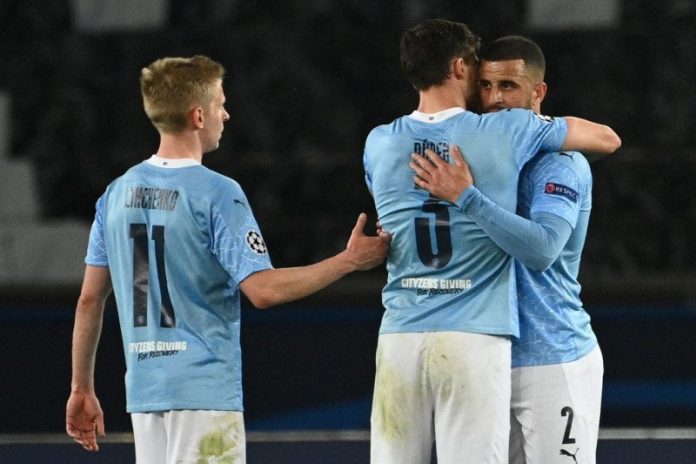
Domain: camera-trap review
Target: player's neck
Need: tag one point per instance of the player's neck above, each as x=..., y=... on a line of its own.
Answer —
x=179, y=146
x=440, y=98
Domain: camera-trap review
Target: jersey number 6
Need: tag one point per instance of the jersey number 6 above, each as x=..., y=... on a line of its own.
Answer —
x=141, y=275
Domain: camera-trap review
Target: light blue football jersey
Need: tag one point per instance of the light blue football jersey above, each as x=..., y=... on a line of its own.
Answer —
x=554, y=327
x=178, y=242
x=444, y=272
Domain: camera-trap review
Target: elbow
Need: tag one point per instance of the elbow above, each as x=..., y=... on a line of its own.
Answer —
x=90, y=300
x=539, y=263
x=607, y=145
x=613, y=141
x=260, y=291
x=608, y=141
x=263, y=297
x=262, y=300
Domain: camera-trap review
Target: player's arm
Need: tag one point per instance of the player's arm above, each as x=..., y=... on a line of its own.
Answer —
x=594, y=140
x=275, y=286
x=535, y=243
x=84, y=419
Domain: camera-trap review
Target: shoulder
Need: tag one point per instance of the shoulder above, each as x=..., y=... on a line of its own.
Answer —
x=571, y=161
x=385, y=130
x=510, y=114
x=129, y=175
x=567, y=168
x=520, y=116
x=220, y=183
x=513, y=119
x=133, y=171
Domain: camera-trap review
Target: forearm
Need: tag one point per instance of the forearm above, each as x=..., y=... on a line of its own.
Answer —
x=536, y=245
x=594, y=140
x=89, y=314
x=276, y=286
x=86, y=334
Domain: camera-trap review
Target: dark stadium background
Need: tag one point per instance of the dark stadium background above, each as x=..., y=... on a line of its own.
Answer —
x=306, y=82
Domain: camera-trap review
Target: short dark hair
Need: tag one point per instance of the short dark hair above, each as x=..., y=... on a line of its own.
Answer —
x=428, y=49
x=516, y=47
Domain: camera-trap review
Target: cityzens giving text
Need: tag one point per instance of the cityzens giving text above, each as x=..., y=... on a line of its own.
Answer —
x=424, y=286
x=155, y=349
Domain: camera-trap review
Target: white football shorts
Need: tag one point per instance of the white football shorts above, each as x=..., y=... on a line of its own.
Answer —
x=449, y=387
x=555, y=412
x=183, y=437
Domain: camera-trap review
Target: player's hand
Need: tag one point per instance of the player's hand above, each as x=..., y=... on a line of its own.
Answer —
x=367, y=251
x=444, y=180
x=84, y=420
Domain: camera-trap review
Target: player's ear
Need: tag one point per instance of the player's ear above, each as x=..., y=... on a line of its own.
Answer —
x=196, y=117
x=540, y=92
x=458, y=68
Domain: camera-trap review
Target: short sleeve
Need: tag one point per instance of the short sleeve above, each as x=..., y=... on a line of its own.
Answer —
x=366, y=163
x=535, y=133
x=237, y=241
x=556, y=188
x=96, y=248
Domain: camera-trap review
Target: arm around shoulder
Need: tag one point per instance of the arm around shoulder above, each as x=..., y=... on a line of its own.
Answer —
x=594, y=140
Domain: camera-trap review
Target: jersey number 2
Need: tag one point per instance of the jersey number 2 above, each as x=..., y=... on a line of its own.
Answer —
x=141, y=273
x=568, y=411
x=443, y=240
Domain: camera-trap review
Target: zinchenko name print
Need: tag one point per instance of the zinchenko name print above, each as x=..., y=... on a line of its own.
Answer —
x=151, y=198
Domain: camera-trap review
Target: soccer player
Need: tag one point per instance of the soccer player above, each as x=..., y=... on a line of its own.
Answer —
x=443, y=356
x=178, y=242
x=557, y=364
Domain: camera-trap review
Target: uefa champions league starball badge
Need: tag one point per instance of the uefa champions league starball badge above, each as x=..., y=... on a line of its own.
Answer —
x=256, y=243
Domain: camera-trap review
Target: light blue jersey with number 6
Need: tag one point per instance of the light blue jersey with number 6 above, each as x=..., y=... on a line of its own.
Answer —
x=178, y=242
x=444, y=272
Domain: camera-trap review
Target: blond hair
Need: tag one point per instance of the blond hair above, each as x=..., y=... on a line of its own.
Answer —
x=172, y=86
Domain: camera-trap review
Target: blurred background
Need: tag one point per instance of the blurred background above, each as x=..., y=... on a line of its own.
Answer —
x=307, y=80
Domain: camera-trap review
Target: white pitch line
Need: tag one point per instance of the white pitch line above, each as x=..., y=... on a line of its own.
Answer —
x=339, y=436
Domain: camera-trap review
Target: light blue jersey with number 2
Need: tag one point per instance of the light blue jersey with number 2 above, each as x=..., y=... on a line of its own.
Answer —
x=554, y=326
x=444, y=272
x=178, y=242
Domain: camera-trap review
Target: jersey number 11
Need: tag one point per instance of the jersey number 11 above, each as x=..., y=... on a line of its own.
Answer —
x=141, y=276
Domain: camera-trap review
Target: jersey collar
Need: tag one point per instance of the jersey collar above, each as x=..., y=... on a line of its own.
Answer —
x=172, y=163
x=435, y=117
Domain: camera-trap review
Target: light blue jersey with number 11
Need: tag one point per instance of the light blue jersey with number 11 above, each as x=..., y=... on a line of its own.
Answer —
x=178, y=241
x=444, y=272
